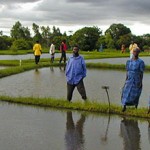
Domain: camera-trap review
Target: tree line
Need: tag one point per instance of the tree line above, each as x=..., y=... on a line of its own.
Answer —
x=88, y=38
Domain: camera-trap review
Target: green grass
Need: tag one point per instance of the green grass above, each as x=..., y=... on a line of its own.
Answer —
x=26, y=65
x=88, y=106
x=14, y=68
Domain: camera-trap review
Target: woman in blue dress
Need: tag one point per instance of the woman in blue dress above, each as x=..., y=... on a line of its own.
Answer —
x=133, y=85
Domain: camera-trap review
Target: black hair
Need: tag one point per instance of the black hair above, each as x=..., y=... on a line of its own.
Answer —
x=76, y=46
x=64, y=41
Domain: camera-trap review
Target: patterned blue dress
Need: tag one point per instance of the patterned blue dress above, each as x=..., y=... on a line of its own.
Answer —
x=133, y=85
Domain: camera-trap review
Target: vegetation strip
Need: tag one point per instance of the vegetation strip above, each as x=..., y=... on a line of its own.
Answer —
x=29, y=65
x=89, y=106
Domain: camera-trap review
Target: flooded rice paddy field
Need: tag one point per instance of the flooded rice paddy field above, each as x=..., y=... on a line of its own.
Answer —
x=2, y=67
x=28, y=127
x=27, y=56
x=51, y=82
x=117, y=60
x=57, y=55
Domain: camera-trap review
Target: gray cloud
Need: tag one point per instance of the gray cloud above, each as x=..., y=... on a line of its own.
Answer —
x=17, y=1
x=74, y=12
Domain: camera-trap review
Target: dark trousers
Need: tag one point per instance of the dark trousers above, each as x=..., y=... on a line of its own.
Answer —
x=63, y=56
x=80, y=88
x=37, y=59
x=52, y=58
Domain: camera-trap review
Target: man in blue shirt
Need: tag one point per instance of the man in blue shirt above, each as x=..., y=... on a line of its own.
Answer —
x=75, y=72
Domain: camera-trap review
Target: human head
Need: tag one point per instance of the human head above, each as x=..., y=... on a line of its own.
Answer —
x=76, y=50
x=37, y=41
x=136, y=52
x=64, y=41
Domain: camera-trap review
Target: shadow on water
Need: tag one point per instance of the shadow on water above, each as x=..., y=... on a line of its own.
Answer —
x=74, y=136
x=130, y=133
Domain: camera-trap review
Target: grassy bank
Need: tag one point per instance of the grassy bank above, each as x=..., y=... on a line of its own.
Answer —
x=14, y=66
x=19, y=69
x=79, y=105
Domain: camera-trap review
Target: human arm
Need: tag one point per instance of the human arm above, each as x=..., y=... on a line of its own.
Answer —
x=40, y=48
x=142, y=68
x=127, y=68
x=84, y=68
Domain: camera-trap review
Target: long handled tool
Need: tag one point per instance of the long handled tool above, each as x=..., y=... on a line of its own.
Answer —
x=106, y=89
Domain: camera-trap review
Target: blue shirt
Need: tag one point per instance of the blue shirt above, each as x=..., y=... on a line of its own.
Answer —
x=75, y=69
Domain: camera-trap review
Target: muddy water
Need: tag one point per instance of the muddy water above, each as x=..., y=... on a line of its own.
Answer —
x=27, y=56
x=2, y=67
x=26, y=128
x=51, y=82
x=57, y=55
x=117, y=60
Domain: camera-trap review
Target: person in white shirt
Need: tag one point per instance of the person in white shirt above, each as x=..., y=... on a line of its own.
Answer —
x=52, y=52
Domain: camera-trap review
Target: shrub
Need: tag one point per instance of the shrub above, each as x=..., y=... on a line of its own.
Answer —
x=21, y=44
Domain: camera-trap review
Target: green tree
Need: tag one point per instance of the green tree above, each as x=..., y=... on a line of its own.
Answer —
x=21, y=44
x=1, y=33
x=146, y=38
x=86, y=38
x=124, y=39
x=37, y=35
x=5, y=42
x=56, y=32
x=20, y=32
x=140, y=40
x=115, y=31
x=46, y=34
x=58, y=39
x=109, y=41
x=101, y=41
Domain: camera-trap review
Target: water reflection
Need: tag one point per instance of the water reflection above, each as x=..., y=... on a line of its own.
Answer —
x=2, y=67
x=37, y=85
x=116, y=60
x=62, y=68
x=131, y=134
x=27, y=127
x=74, y=132
x=28, y=56
x=37, y=71
x=105, y=137
x=51, y=68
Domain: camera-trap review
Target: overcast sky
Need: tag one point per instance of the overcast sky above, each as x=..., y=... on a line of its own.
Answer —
x=74, y=14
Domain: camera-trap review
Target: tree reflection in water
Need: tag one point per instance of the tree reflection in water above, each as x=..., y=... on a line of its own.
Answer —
x=130, y=132
x=74, y=133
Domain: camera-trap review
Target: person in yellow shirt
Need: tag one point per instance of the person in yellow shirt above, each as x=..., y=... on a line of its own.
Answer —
x=37, y=51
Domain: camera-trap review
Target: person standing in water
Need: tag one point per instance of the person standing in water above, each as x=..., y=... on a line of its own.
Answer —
x=63, y=49
x=133, y=85
x=75, y=73
x=37, y=51
x=52, y=52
